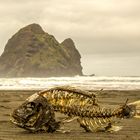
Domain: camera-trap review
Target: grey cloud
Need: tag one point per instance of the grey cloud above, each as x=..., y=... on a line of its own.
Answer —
x=99, y=26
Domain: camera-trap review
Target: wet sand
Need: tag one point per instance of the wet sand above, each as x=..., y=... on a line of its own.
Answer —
x=9, y=100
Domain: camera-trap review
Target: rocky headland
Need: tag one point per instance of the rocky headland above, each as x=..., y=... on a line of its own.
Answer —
x=32, y=52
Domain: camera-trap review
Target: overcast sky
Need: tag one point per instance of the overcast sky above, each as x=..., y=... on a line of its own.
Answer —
x=106, y=32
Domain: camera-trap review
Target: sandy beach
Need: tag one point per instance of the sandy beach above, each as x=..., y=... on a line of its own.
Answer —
x=9, y=100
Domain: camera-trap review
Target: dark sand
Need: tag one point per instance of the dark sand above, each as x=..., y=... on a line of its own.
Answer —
x=9, y=100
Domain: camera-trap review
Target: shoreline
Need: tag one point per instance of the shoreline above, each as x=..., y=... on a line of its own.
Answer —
x=10, y=99
x=90, y=90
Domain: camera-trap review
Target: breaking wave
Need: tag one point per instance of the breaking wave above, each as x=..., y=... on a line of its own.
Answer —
x=90, y=83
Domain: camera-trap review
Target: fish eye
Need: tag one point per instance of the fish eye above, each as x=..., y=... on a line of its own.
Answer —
x=30, y=106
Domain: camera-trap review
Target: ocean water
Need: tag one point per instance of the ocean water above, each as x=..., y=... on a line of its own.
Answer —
x=89, y=83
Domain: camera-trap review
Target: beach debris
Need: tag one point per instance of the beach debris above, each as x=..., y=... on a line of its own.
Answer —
x=37, y=113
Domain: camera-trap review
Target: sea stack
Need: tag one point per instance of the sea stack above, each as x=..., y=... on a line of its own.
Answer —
x=32, y=52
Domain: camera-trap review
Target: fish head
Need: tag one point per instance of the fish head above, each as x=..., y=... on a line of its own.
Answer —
x=33, y=114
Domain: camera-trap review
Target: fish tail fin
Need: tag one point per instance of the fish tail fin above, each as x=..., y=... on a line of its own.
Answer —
x=135, y=107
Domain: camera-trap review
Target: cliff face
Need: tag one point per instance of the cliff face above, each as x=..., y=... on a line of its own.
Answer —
x=31, y=52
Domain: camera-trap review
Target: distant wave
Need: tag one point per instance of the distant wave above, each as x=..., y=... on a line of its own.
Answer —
x=87, y=82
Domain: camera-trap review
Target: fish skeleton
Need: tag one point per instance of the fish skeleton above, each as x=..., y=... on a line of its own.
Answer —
x=37, y=113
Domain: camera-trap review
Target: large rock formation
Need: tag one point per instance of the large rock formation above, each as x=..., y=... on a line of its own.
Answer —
x=31, y=52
